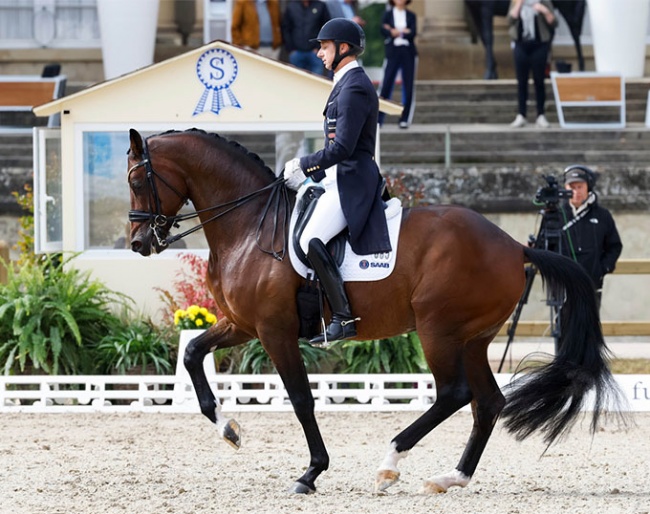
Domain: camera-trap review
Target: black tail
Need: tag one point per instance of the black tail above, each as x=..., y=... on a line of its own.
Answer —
x=550, y=398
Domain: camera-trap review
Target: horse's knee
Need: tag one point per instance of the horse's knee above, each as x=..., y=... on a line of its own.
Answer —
x=193, y=355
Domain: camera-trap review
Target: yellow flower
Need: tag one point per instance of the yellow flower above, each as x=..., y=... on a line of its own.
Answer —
x=194, y=317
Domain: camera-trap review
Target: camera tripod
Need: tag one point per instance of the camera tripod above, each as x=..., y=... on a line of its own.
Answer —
x=549, y=237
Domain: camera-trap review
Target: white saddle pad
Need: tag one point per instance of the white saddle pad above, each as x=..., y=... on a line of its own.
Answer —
x=359, y=268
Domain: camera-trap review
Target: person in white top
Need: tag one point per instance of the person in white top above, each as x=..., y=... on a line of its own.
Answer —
x=399, y=28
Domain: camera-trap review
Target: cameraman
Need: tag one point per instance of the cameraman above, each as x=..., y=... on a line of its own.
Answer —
x=589, y=231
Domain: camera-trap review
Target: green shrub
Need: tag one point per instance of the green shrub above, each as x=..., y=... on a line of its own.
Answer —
x=254, y=359
x=52, y=315
x=400, y=354
x=135, y=344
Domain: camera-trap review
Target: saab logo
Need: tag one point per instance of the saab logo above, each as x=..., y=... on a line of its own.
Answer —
x=379, y=265
x=364, y=264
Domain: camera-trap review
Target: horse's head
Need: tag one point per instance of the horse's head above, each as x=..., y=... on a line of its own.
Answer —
x=157, y=194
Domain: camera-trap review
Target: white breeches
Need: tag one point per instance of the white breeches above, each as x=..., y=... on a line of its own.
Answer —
x=327, y=220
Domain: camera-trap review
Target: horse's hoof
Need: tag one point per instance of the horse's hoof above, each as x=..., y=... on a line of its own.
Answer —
x=385, y=478
x=231, y=433
x=300, y=488
x=442, y=483
x=431, y=487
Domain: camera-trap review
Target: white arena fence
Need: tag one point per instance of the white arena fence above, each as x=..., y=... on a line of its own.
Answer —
x=239, y=393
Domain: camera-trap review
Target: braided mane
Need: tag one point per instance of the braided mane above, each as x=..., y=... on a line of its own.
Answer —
x=225, y=141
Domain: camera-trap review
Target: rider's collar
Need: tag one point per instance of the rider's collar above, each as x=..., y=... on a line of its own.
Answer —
x=339, y=74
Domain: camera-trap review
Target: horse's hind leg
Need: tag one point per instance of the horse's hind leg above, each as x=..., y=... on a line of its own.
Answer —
x=452, y=393
x=487, y=404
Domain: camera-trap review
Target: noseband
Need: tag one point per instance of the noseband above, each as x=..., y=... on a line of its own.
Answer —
x=158, y=221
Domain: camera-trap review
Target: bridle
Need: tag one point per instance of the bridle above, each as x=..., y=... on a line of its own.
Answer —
x=158, y=221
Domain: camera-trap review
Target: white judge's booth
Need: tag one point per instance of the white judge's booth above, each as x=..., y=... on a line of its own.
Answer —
x=81, y=197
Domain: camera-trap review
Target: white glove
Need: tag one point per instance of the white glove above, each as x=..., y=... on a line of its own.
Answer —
x=293, y=174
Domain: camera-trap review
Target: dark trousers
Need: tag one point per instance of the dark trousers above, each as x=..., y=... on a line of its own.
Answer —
x=402, y=60
x=530, y=56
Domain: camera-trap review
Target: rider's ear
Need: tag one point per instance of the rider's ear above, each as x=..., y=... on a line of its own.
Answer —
x=136, y=144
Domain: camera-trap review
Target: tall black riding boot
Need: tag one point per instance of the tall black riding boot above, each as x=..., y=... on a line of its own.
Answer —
x=342, y=324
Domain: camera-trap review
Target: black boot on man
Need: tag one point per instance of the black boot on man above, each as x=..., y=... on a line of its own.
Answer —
x=342, y=324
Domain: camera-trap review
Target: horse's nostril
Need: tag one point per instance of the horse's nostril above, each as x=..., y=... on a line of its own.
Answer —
x=136, y=246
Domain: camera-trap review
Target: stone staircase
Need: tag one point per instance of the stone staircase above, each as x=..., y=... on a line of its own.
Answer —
x=467, y=122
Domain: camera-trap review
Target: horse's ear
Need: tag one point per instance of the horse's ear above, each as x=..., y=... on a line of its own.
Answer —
x=136, y=144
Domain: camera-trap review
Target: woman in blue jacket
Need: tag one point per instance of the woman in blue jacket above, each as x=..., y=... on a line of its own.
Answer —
x=399, y=28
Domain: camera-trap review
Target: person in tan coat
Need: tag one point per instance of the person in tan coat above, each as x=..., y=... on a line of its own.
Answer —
x=256, y=26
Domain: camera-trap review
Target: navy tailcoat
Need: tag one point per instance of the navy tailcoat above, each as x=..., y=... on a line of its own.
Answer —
x=350, y=133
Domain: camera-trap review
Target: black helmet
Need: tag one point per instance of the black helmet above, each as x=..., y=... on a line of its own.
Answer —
x=342, y=30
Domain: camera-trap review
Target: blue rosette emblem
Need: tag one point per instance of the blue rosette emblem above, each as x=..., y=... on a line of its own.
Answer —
x=217, y=70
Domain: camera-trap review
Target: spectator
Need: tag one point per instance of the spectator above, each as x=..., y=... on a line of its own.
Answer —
x=301, y=22
x=399, y=28
x=256, y=26
x=345, y=9
x=532, y=25
x=590, y=236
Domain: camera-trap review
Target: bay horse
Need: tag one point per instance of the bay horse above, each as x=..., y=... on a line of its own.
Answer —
x=482, y=13
x=457, y=279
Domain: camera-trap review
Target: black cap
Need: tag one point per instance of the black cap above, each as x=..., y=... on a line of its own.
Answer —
x=576, y=176
x=580, y=173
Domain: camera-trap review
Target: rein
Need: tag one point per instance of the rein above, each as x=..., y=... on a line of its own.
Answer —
x=278, y=197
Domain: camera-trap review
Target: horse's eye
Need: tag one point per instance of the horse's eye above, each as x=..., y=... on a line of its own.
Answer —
x=136, y=185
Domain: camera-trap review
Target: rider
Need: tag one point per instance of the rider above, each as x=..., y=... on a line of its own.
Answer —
x=347, y=170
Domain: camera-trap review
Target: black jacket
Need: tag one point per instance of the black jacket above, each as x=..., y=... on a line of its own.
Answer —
x=593, y=241
x=300, y=24
x=350, y=132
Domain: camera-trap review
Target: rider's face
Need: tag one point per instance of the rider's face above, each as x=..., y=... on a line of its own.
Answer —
x=326, y=53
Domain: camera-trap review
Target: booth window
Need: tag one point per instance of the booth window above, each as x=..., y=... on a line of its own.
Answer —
x=102, y=199
x=106, y=194
x=48, y=202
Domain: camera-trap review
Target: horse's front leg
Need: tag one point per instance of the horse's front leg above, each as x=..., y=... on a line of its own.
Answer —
x=285, y=354
x=223, y=335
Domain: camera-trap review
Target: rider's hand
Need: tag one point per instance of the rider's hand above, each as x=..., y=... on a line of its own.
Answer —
x=293, y=174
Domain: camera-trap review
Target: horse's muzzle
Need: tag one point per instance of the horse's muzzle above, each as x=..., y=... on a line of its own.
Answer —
x=144, y=242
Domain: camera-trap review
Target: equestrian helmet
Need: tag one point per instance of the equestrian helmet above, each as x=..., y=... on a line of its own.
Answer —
x=342, y=30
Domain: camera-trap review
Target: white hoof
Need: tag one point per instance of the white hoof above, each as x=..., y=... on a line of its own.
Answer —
x=442, y=483
x=385, y=478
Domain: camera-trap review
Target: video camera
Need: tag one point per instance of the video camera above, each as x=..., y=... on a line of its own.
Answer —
x=552, y=193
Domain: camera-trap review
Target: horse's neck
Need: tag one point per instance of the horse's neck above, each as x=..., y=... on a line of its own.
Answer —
x=229, y=225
